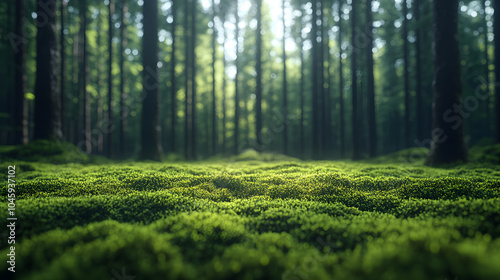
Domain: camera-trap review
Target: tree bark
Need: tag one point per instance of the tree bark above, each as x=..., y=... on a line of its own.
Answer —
x=62, y=8
x=236, y=82
x=315, y=81
x=407, y=127
x=85, y=79
x=21, y=104
x=48, y=99
x=372, y=124
x=173, y=79
x=354, y=75
x=193, y=78
x=258, y=70
x=150, y=124
x=109, y=121
x=419, y=97
x=341, y=85
x=285, y=83
x=447, y=142
x=214, y=99
x=496, y=27
x=123, y=94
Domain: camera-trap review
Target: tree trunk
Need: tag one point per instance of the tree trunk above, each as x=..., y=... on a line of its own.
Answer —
x=99, y=101
x=62, y=8
x=21, y=104
x=150, y=124
x=372, y=128
x=214, y=99
x=496, y=27
x=187, y=73
x=418, y=36
x=236, y=82
x=85, y=79
x=486, y=72
x=224, y=92
x=447, y=142
x=354, y=72
x=341, y=85
x=173, y=78
x=193, y=77
x=315, y=81
x=109, y=121
x=258, y=70
x=302, y=91
x=48, y=99
x=406, y=74
x=123, y=94
x=285, y=83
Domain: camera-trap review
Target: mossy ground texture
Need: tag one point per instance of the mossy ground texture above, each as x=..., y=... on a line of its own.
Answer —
x=244, y=218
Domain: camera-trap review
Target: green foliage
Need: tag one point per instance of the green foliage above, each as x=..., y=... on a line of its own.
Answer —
x=249, y=219
x=46, y=151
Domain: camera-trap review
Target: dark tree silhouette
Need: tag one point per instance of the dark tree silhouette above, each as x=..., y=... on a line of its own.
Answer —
x=111, y=11
x=447, y=139
x=258, y=70
x=341, y=84
x=406, y=55
x=214, y=99
x=62, y=38
x=372, y=128
x=123, y=94
x=48, y=99
x=21, y=104
x=496, y=27
x=84, y=79
x=354, y=83
x=173, y=79
x=236, y=81
x=151, y=148
x=285, y=82
x=418, y=58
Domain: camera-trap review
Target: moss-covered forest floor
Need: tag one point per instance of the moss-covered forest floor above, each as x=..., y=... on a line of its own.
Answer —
x=251, y=217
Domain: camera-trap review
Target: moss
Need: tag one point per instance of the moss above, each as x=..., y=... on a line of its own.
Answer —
x=254, y=219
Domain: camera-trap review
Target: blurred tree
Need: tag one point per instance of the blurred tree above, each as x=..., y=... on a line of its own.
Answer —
x=151, y=148
x=47, y=95
x=21, y=104
x=447, y=142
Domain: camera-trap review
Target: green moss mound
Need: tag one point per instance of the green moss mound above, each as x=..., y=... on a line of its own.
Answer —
x=251, y=219
x=45, y=151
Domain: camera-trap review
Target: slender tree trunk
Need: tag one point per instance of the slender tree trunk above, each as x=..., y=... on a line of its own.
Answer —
x=285, y=83
x=214, y=99
x=258, y=70
x=236, y=82
x=123, y=94
x=173, y=79
x=419, y=101
x=447, y=142
x=406, y=74
x=322, y=90
x=372, y=128
x=224, y=92
x=48, y=98
x=150, y=124
x=62, y=8
x=21, y=104
x=193, y=77
x=99, y=101
x=341, y=85
x=496, y=30
x=111, y=10
x=354, y=72
x=85, y=79
x=486, y=71
x=302, y=91
x=315, y=81
x=187, y=74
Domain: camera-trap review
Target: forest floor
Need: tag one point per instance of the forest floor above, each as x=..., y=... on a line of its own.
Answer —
x=251, y=217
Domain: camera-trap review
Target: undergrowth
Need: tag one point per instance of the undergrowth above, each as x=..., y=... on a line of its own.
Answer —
x=248, y=217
